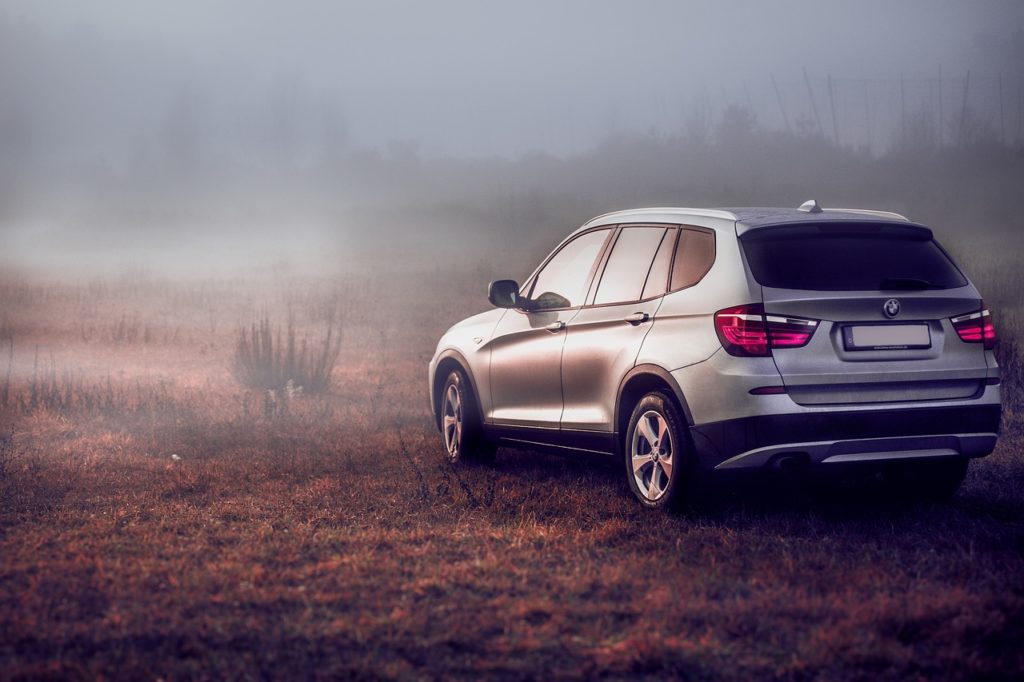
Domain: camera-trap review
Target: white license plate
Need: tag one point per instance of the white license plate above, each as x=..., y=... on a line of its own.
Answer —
x=886, y=336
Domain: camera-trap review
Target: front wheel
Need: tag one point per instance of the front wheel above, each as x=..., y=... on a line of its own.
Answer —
x=460, y=424
x=656, y=452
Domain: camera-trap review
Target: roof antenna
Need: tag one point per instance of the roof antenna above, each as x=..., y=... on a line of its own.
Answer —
x=811, y=206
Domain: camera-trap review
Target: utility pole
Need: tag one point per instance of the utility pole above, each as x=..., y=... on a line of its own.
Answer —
x=782, y=106
x=903, y=108
x=832, y=102
x=942, y=122
x=867, y=117
x=1002, y=120
x=814, y=105
x=1020, y=114
x=963, y=111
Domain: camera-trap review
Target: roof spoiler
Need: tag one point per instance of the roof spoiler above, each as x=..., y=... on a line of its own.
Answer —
x=812, y=206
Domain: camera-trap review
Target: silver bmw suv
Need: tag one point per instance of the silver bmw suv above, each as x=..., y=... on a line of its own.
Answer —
x=684, y=340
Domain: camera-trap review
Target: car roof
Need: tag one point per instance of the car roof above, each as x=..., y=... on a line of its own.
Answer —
x=744, y=219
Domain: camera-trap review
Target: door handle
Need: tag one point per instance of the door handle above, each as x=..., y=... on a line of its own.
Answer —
x=556, y=326
x=637, y=318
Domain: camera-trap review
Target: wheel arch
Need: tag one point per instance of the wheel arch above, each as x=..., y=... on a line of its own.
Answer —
x=448, y=361
x=640, y=381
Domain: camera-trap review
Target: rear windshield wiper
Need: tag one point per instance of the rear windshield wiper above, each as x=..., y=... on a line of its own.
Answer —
x=908, y=283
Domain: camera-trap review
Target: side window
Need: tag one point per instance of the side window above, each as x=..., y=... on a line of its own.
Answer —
x=626, y=271
x=695, y=254
x=657, y=278
x=562, y=282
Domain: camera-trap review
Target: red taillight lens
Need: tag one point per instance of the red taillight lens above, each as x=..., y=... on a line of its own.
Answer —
x=742, y=330
x=790, y=332
x=976, y=327
x=745, y=330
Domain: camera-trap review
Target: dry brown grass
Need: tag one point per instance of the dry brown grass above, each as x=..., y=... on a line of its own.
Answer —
x=329, y=539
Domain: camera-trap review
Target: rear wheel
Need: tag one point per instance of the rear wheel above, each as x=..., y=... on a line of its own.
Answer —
x=935, y=479
x=461, y=426
x=656, y=452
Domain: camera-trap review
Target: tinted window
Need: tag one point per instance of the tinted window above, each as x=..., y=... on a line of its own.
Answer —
x=562, y=282
x=630, y=261
x=849, y=258
x=657, y=278
x=695, y=254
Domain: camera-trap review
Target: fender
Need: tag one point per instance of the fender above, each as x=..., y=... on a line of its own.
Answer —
x=452, y=354
x=662, y=374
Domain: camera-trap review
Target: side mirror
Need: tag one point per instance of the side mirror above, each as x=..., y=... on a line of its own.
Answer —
x=504, y=293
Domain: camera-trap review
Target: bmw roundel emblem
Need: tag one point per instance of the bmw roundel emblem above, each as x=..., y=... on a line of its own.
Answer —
x=891, y=308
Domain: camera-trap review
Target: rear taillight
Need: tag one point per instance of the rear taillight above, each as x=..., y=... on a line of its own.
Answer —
x=745, y=330
x=742, y=330
x=976, y=327
x=790, y=332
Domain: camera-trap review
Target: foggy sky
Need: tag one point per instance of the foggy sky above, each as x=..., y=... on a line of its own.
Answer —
x=230, y=130
x=478, y=78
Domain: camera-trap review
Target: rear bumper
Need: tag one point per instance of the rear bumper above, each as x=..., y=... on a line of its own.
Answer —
x=854, y=436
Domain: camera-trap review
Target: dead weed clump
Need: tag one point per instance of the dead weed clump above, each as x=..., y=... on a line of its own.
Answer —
x=269, y=358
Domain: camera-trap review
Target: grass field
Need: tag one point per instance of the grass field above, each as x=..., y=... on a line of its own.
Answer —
x=159, y=520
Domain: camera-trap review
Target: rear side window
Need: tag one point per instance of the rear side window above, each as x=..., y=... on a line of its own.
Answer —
x=695, y=254
x=849, y=258
x=626, y=271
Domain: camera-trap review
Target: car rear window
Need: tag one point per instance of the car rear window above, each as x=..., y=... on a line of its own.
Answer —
x=695, y=254
x=852, y=257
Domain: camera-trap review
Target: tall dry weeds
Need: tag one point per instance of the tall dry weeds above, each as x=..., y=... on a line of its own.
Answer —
x=268, y=358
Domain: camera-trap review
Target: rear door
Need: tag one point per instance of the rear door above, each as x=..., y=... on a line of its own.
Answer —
x=883, y=297
x=603, y=340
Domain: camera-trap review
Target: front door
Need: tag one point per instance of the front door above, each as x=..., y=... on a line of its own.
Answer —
x=526, y=349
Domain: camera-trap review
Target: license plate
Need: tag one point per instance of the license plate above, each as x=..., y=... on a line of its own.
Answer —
x=886, y=336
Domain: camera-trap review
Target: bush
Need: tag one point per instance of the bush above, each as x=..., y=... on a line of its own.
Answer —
x=1011, y=372
x=267, y=359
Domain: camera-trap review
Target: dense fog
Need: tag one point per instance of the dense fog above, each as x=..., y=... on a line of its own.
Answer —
x=333, y=135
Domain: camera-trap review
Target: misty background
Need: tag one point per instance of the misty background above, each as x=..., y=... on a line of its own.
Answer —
x=338, y=136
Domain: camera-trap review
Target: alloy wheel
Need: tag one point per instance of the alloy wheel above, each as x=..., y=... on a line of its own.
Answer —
x=651, y=455
x=452, y=421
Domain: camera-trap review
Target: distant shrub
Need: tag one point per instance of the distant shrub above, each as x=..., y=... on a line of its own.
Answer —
x=63, y=390
x=1011, y=373
x=6, y=339
x=270, y=359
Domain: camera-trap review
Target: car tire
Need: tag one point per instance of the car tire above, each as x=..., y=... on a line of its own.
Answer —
x=929, y=480
x=937, y=480
x=461, y=426
x=656, y=452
